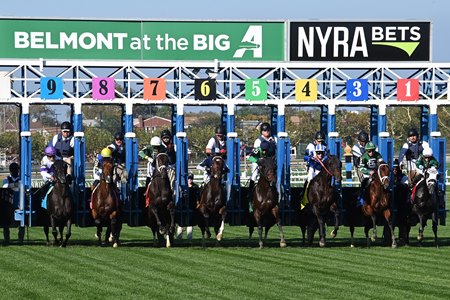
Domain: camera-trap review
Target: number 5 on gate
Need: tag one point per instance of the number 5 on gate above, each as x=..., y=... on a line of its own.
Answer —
x=306, y=90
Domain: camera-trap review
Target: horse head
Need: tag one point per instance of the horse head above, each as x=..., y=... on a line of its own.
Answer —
x=107, y=170
x=162, y=162
x=60, y=168
x=268, y=168
x=334, y=167
x=431, y=180
x=383, y=174
x=217, y=167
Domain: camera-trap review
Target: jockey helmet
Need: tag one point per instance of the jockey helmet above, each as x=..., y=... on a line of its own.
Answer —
x=413, y=132
x=118, y=136
x=265, y=145
x=319, y=148
x=13, y=167
x=155, y=141
x=166, y=133
x=191, y=175
x=427, y=152
x=265, y=127
x=396, y=163
x=319, y=136
x=50, y=151
x=221, y=130
x=66, y=125
x=370, y=146
x=106, y=152
x=363, y=136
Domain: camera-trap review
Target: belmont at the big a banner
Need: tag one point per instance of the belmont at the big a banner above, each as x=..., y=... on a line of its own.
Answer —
x=359, y=41
x=142, y=40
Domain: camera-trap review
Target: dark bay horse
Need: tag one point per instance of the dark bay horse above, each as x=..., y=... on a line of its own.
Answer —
x=211, y=206
x=321, y=197
x=377, y=201
x=106, y=206
x=265, y=201
x=424, y=204
x=59, y=205
x=161, y=209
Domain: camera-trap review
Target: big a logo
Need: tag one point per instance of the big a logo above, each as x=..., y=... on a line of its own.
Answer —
x=251, y=42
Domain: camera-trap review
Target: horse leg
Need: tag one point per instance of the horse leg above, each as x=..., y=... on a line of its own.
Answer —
x=171, y=209
x=435, y=225
x=257, y=214
x=207, y=231
x=334, y=209
x=373, y=238
x=114, y=229
x=387, y=217
x=158, y=221
x=54, y=230
x=366, y=232
x=223, y=213
x=352, y=232
x=276, y=214
x=61, y=231
x=420, y=236
x=98, y=223
x=68, y=233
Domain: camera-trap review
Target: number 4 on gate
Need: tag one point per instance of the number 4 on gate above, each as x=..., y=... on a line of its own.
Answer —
x=306, y=90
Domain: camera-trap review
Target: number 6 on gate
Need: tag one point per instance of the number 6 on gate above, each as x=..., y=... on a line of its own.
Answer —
x=205, y=89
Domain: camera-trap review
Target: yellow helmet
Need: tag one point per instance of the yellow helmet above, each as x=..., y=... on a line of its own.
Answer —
x=106, y=152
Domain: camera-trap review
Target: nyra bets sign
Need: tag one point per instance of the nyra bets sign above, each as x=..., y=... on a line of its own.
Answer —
x=359, y=41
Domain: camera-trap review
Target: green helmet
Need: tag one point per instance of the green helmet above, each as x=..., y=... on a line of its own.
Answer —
x=370, y=146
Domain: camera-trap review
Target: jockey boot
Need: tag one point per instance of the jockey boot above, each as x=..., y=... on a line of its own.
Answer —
x=21, y=235
x=251, y=187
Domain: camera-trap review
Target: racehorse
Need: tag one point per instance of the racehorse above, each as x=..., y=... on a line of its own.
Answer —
x=211, y=206
x=377, y=201
x=161, y=209
x=105, y=205
x=59, y=205
x=424, y=203
x=402, y=203
x=265, y=201
x=321, y=197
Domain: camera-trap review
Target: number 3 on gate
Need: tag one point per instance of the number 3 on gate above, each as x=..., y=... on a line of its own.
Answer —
x=357, y=89
x=51, y=88
x=205, y=89
x=306, y=90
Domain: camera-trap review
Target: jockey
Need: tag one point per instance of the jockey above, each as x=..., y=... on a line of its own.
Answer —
x=64, y=143
x=358, y=148
x=270, y=143
x=149, y=153
x=118, y=155
x=9, y=204
x=168, y=147
x=319, y=139
x=368, y=166
x=426, y=163
x=314, y=164
x=412, y=148
x=98, y=164
x=264, y=150
x=47, y=170
x=216, y=146
x=399, y=177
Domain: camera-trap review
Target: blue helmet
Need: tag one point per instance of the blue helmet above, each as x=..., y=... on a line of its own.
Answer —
x=320, y=148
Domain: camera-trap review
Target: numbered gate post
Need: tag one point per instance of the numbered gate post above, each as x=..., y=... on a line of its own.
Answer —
x=79, y=171
x=235, y=211
x=183, y=210
x=131, y=200
x=438, y=144
x=284, y=178
x=335, y=148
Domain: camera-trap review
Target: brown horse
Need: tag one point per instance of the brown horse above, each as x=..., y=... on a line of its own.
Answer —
x=211, y=206
x=424, y=204
x=105, y=205
x=161, y=209
x=321, y=196
x=377, y=201
x=265, y=201
x=59, y=205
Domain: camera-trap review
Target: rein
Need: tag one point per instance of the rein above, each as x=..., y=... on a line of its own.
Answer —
x=158, y=167
x=325, y=168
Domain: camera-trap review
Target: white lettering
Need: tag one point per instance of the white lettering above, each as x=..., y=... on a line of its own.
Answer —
x=71, y=40
x=21, y=40
x=340, y=42
x=37, y=40
x=306, y=41
x=362, y=45
x=87, y=40
x=377, y=34
x=200, y=42
x=252, y=41
x=415, y=33
x=323, y=40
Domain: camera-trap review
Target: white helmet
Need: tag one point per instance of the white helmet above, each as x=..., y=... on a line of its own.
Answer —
x=427, y=152
x=155, y=141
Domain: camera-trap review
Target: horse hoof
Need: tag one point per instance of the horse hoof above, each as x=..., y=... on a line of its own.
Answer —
x=261, y=246
x=419, y=238
x=283, y=245
x=333, y=234
x=321, y=244
x=373, y=238
x=115, y=245
x=110, y=239
x=96, y=236
x=394, y=246
x=208, y=235
x=352, y=246
x=219, y=236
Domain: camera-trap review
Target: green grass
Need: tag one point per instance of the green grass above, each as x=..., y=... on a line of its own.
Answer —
x=236, y=269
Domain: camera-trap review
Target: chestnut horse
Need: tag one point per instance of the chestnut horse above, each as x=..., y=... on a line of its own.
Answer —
x=161, y=209
x=211, y=206
x=321, y=197
x=105, y=205
x=265, y=201
x=377, y=201
x=59, y=205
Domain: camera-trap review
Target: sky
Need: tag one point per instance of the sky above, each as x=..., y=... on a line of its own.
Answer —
x=436, y=11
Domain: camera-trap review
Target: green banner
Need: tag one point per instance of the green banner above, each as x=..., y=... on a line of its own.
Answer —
x=142, y=40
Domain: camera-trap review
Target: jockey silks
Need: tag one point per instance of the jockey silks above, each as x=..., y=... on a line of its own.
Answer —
x=63, y=146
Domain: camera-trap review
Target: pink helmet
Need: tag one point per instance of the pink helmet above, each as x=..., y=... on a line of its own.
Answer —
x=50, y=151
